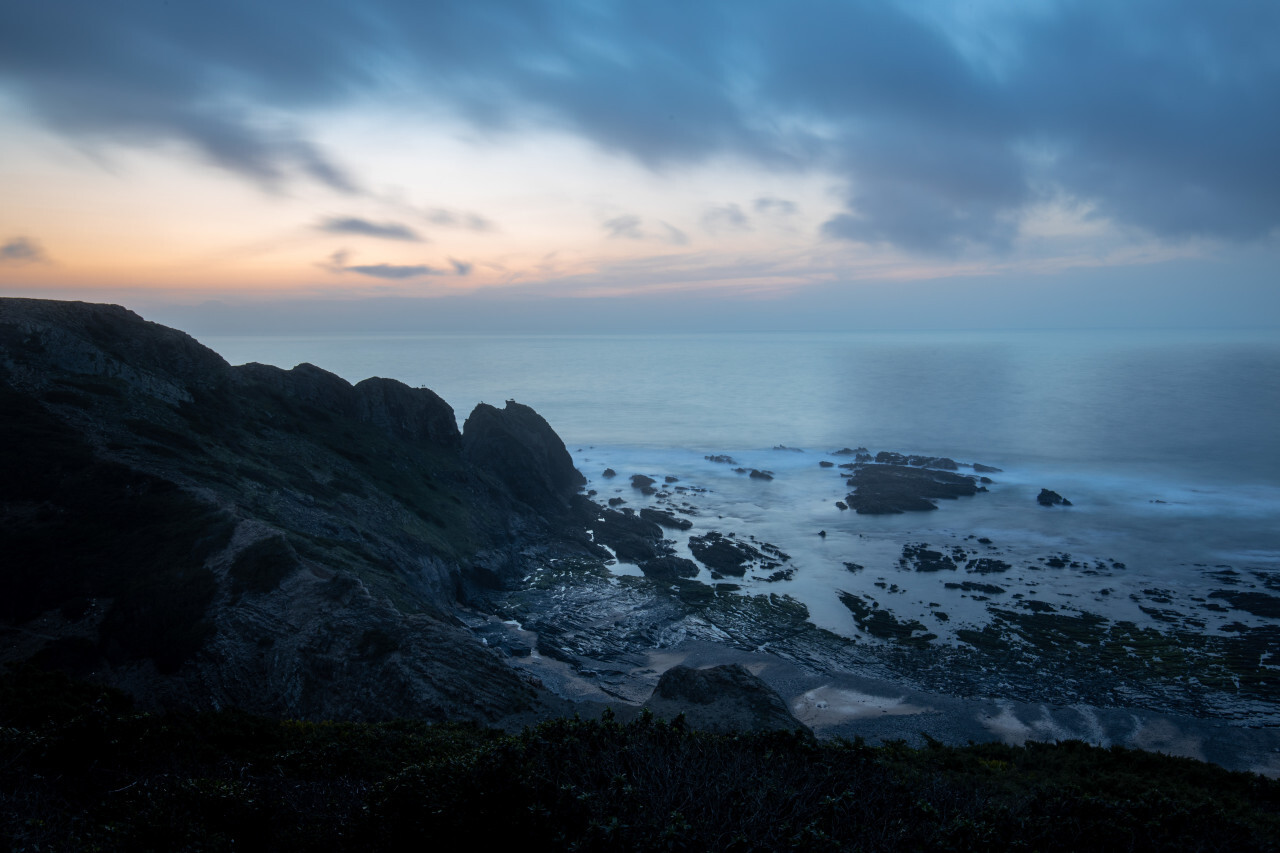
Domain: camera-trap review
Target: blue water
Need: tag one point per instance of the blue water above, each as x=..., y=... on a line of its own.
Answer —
x=1168, y=444
x=1200, y=404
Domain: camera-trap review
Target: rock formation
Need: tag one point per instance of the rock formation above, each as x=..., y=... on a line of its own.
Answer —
x=720, y=699
x=204, y=535
x=1048, y=497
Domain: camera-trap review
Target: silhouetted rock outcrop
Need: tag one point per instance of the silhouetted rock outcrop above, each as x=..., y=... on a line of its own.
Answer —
x=415, y=414
x=524, y=452
x=204, y=535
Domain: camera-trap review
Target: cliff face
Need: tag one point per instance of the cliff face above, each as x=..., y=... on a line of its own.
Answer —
x=203, y=535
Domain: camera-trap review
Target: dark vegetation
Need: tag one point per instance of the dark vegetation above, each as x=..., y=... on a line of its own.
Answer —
x=79, y=770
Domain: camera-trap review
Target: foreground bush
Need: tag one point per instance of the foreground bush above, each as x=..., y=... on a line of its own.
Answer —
x=79, y=770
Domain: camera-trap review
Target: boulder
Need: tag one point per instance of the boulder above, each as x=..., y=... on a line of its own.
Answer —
x=643, y=484
x=669, y=567
x=726, y=698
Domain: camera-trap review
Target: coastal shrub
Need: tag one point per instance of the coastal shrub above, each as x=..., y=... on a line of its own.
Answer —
x=80, y=769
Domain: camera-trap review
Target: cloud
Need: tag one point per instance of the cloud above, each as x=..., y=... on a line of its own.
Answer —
x=21, y=250
x=458, y=219
x=945, y=122
x=627, y=225
x=631, y=227
x=726, y=218
x=673, y=235
x=395, y=271
x=780, y=207
x=365, y=228
x=337, y=263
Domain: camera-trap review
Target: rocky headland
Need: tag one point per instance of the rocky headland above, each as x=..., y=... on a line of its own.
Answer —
x=282, y=541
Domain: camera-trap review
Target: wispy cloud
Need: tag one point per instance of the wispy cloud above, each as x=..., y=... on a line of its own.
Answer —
x=632, y=227
x=395, y=271
x=769, y=206
x=458, y=219
x=627, y=225
x=365, y=228
x=673, y=235
x=22, y=250
x=728, y=217
x=338, y=263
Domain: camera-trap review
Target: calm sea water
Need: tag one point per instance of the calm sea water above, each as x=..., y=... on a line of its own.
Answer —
x=1168, y=444
x=1195, y=404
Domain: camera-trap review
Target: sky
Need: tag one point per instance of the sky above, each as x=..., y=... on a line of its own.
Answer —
x=321, y=165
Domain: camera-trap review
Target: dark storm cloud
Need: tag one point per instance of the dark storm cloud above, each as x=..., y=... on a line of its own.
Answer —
x=365, y=228
x=21, y=250
x=1159, y=114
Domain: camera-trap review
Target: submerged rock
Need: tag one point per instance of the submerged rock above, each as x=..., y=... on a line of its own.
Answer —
x=665, y=519
x=1051, y=498
x=729, y=556
x=883, y=489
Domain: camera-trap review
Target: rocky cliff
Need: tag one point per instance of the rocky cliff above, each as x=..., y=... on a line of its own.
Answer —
x=279, y=540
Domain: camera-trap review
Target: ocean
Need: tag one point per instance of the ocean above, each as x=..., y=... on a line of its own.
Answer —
x=1167, y=445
